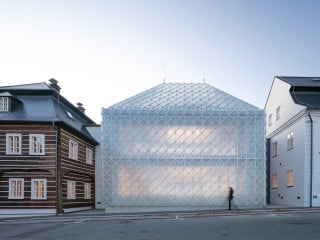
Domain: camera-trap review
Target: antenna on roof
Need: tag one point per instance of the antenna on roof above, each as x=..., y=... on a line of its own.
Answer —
x=204, y=75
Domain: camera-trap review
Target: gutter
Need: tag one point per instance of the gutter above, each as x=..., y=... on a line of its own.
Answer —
x=57, y=168
x=311, y=155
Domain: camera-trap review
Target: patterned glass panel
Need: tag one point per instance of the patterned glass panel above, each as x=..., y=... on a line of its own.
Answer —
x=176, y=146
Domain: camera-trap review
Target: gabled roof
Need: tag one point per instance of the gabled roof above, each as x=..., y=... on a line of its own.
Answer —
x=181, y=97
x=31, y=86
x=304, y=91
x=39, y=102
x=7, y=94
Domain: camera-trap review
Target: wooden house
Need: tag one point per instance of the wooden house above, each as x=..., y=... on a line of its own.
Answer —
x=47, y=155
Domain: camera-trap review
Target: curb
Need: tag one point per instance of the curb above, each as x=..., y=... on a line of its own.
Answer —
x=122, y=218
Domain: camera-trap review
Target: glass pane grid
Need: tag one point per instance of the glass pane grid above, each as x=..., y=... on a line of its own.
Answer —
x=154, y=155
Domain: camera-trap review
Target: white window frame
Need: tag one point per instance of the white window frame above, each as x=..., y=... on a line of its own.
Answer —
x=39, y=148
x=16, y=149
x=16, y=191
x=278, y=113
x=274, y=149
x=290, y=178
x=89, y=156
x=87, y=190
x=274, y=180
x=4, y=104
x=73, y=149
x=270, y=120
x=71, y=189
x=290, y=141
x=36, y=188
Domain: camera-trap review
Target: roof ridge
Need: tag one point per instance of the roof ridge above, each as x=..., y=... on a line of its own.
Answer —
x=26, y=84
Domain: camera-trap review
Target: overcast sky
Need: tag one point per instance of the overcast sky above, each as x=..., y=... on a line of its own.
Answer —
x=102, y=52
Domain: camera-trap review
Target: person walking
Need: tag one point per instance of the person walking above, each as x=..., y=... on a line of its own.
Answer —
x=230, y=197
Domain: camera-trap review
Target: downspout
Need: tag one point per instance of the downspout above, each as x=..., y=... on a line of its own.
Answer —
x=311, y=155
x=57, y=169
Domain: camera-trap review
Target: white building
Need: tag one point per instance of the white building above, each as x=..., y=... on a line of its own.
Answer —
x=183, y=144
x=293, y=128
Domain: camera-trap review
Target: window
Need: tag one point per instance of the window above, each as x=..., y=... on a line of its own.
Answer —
x=274, y=180
x=270, y=120
x=71, y=190
x=89, y=156
x=16, y=188
x=278, y=113
x=87, y=190
x=290, y=178
x=290, y=141
x=39, y=189
x=274, y=149
x=13, y=143
x=4, y=104
x=73, y=150
x=69, y=115
x=36, y=142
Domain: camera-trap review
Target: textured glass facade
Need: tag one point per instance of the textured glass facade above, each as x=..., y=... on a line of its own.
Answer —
x=183, y=145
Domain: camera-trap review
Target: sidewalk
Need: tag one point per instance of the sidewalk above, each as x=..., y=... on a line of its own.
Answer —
x=134, y=213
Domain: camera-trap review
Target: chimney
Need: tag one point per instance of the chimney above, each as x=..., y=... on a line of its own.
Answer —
x=80, y=107
x=54, y=84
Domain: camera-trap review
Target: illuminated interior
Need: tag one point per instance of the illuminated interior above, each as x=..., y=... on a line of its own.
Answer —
x=186, y=154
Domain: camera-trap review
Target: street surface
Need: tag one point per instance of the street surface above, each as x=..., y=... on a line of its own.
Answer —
x=263, y=226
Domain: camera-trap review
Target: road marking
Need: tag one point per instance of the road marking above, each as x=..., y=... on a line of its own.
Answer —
x=80, y=221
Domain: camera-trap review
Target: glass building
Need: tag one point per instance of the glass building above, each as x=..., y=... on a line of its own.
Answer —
x=183, y=144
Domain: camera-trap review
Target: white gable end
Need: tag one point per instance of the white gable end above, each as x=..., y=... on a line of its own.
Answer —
x=280, y=98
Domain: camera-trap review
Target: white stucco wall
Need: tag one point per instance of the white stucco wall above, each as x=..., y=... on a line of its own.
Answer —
x=294, y=118
x=293, y=159
x=280, y=96
x=316, y=158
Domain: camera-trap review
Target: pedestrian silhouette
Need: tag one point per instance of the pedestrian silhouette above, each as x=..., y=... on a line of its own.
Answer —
x=230, y=197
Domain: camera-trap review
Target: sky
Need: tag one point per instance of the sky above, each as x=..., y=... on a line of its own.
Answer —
x=102, y=52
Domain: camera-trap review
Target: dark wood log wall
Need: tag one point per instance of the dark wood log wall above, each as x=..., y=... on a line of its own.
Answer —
x=77, y=170
x=28, y=166
x=44, y=166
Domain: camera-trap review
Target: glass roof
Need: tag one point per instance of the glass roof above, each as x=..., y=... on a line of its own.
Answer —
x=184, y=96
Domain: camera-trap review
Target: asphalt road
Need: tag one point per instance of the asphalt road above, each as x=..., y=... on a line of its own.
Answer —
x=249, y=227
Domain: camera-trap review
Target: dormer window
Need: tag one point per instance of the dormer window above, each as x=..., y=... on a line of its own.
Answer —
x=4, y=104
x=69, y=115
x=8, y=102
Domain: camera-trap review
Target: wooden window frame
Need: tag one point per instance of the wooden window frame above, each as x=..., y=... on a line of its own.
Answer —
x=71, y=189
x=274, y=149
x=10, y=140
x=35, y=189
x=87, y=190
x=274, y=181
x=278, y=113
x=89, y=156
x=4, y=104
x=290, y=178
x=41, y=144
x=14, y=191
x=73, y=149
x=270, y=120
x=290, y=141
